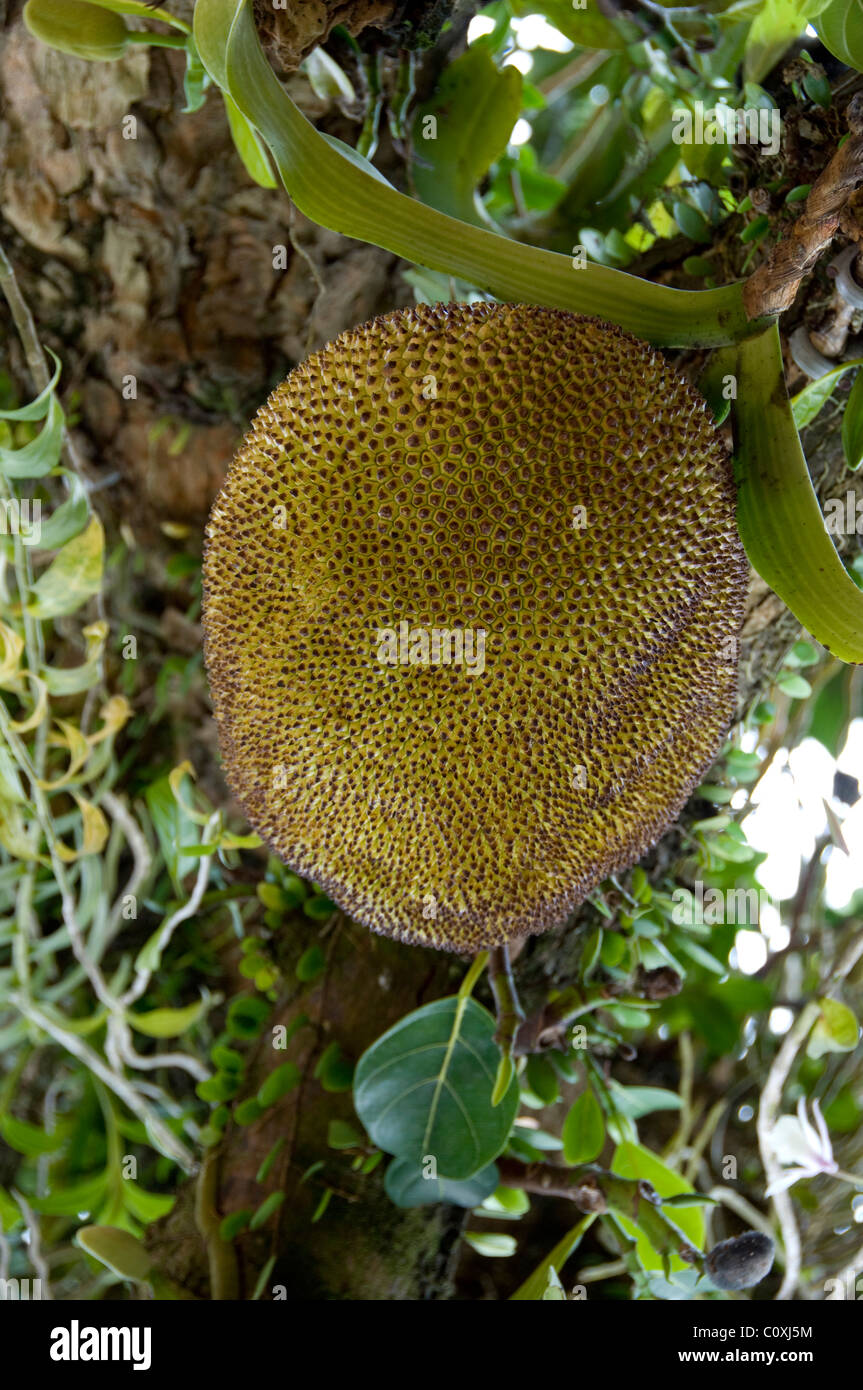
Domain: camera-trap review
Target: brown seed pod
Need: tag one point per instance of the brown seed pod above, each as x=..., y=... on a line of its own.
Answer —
x=472, y=587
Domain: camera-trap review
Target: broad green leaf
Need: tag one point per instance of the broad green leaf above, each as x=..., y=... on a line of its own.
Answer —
x=583, y=1130
x=835, y=1031
x=406, y=1186
x=852, y=425
x=534, y=1286
x=471, y=114
x=633, y=1161
x=778, y=514
x=73, y=576
x=424, y=1089
x=167, y=1023
x=840, y=29
x=339, y=193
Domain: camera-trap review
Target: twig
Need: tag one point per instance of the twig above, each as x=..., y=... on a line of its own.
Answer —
x=768, y=1112
x=509, y=1011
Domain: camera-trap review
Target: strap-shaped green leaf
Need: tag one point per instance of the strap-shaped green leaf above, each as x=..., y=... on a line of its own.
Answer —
x=37, y=458
x=780, y=519
x=348, y=196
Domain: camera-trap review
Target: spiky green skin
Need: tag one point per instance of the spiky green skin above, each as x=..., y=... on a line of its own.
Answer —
x=447, y=808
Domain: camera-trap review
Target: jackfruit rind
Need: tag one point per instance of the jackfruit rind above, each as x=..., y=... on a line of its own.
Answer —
x=524, y=473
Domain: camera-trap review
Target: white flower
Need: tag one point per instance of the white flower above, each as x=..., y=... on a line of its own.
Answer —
x=794, y=1140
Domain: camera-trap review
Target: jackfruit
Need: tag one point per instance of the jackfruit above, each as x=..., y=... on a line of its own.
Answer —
x=472, y=589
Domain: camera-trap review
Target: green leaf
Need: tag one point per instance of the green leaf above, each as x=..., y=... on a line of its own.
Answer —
x=831, y=712
x=471, y=113
x=584, y=26
x=342, y=1135
x=267, y=1209
x=852, y=425
x=119, y=1250
x=637, y=1101
x=175, y=830
x=73, y=1198
x=37, y=458
x=28, y=1139
x=167, y=1023
x=691, y=222
x=326, y=79
x=68, y=520
x=794, y=685
x=38, y=408
x=803, y=654
x=508, y=1202
x=776, y=26
x=554, y=1292
x=835, y=1031
x=249, y=146
x=146, y=1206
x=334, y=1071
x=10, y=1212
x=424, y=1089
x=780, y=520
x=542, y=1078
x=583, y=1130
x=72, y=577
x=808, y=402
x=278, y=1084
x=139, y=7
x=631, y=1160
x=311, y=964
x=337, y=192
x=840, y=29
x=533, y=1288
x=491, y=1243
x=406, y=1186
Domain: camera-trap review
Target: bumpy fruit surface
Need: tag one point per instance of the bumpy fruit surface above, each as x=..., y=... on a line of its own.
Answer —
x=524, y=473
x=73, y=26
